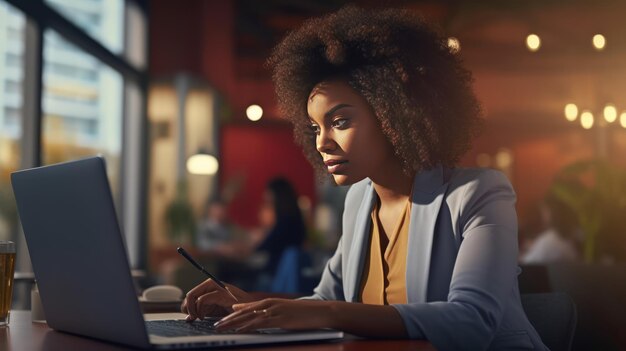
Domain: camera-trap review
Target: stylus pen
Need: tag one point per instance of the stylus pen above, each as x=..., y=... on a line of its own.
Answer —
x=197, y=265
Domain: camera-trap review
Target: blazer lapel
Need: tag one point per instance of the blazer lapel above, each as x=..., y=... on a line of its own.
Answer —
x=428, y=192
x=359, y=246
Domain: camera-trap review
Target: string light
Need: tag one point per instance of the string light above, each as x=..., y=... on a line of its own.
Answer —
x=571, y=112
x=586, y=119
x=533, y=42
x=610, y=113
x=599, y=42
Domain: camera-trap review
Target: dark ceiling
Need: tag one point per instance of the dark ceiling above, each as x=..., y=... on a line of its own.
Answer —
x=488, y=29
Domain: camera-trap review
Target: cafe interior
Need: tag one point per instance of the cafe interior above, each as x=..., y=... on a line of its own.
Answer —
x=178, y=99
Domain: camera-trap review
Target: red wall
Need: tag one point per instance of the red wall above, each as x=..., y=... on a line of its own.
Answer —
x=198, y=37
x=175, y=36
x=261, y=153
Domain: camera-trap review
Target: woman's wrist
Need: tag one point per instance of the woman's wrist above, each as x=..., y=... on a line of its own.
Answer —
x=364, y=320
x=332, y=313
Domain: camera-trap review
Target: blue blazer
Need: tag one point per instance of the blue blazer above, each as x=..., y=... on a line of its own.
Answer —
x=461, y=265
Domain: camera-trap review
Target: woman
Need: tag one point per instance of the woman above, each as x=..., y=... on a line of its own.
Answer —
x=428, y=251
x=285, y=222
x=282, y=228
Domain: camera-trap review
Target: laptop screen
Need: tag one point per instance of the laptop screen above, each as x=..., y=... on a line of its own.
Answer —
x=77, y=251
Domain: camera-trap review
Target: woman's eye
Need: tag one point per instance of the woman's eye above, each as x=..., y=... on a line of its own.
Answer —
x=340, y=123
x=315, y=128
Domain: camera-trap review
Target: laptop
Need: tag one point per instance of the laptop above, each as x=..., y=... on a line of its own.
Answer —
x=81, y=265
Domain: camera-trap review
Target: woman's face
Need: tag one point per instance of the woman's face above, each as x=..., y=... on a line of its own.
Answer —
x=348, y=135
x=267, y=210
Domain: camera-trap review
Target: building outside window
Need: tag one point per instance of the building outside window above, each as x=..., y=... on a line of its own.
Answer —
x=82, y=107
x=11, y=75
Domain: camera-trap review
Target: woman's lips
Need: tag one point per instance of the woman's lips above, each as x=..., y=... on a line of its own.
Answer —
x=335, y=166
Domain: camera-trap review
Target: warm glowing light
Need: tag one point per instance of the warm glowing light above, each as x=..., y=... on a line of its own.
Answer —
x=7, y=153
x=202, y=164
x=72, y=91
x=304, y=202
x=504, y=159
x=254, y=112
x=483, y=160
x=586, y=119
x=622, y=119
x=599, y=42
x=454, y=45
x=533, y=42
x=571, y=112
x=610, y=113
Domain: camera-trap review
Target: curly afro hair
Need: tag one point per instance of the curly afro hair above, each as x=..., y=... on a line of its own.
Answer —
x=416, y=86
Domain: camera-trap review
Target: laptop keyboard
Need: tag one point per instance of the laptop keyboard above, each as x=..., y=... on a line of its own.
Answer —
x=180, y=327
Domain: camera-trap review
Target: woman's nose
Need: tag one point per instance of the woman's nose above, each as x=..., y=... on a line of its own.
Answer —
x=324, y=142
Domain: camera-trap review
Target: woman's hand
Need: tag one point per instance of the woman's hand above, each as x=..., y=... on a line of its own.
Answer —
x=277, y=313
x=209, y=299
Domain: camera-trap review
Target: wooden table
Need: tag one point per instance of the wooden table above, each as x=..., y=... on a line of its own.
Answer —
x=23, y=335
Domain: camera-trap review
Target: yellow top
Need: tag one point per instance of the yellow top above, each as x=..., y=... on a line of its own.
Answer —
x=384, y=272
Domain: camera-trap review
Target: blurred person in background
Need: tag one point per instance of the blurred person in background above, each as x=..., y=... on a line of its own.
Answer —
x=557, y=239
x=428, y=251
x=281, y=226
x=283, y=221
x=215, y=228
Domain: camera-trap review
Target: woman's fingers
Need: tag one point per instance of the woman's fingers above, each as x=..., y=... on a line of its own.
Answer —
x=189, y=305
x=241, y=306
x=241, y=295
x=247, y=315
x=246, y=320
x=205, y=304
x=208, y=297
x=259, y=322
x=273, y=313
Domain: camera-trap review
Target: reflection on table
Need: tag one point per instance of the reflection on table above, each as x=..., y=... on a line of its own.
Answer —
x=23, y=335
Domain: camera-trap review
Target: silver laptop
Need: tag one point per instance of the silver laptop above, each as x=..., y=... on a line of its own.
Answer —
x=79, y=258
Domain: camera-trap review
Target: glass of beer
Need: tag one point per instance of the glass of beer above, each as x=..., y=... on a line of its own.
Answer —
x=7, y=268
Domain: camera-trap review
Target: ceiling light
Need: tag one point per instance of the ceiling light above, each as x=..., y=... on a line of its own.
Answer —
x=533, y=42
x=599, y=42
x=610, y=113
x=254, y=112
x=586, y=119
x=571, y=112
x=203, y=164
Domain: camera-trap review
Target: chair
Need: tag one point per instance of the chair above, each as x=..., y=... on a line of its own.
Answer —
x=534, y=279
x=554, y=317
x=288, y=277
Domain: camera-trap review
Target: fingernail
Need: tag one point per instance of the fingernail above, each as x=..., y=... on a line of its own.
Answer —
x=217, y=323
x=225, y=318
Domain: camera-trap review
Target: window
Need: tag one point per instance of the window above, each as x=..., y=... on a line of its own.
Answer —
x=11, y=73
x=82, y=107
x=101, y=19
x=68, y=91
